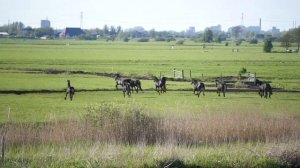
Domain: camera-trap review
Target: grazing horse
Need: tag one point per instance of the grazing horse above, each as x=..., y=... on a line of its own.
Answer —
x=264, y=89
x=221, y=87
x=160, y=85
x=126, y=89
x=70, y=90
x=199, y=87
x=121, y=81
x=136, y=85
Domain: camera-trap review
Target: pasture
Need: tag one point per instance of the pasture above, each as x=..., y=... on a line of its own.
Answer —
x=34, y=76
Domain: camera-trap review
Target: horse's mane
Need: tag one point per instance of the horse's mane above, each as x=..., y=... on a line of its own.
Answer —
x=258, y=82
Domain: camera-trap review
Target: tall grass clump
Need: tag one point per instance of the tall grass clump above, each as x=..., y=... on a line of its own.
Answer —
x=134, y=136
x=122, y=124
x=116, y=124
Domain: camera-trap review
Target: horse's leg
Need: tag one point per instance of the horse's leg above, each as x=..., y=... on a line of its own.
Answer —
x=129, y=91
x=71, y=96
x=223, y=93
x=66, y=96
x=260, y=93
x=266, y=94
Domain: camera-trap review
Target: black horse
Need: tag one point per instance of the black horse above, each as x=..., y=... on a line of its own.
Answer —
x=126, y=89
x=70, y=90
x=221, y=87
x=160, y=85
x=135, y=84
x=264, y=89
x=120, y=81
x=199, y=87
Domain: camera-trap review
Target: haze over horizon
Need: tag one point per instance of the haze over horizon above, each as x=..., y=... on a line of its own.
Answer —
x=177, y=15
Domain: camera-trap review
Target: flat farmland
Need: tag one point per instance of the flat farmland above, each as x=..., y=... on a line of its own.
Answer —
x=174, y=127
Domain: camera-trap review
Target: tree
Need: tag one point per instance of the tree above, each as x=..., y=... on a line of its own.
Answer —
x=236, y=31
x=286, y=40
x=105, y=30
x=112, y=32
x=152, y=33
x=14, y=29
x=268, y=46
x=40, y=32
x=208, y=35
x=296, y=36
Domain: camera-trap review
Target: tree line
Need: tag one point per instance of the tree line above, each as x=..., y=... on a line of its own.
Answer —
x=18, y=29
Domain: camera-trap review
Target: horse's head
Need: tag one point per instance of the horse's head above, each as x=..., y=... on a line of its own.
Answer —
x=258, y=82
x=117, y=76
x=155, y=79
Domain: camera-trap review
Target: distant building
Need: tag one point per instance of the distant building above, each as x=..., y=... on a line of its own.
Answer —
x=4, y=35
x=255, y=29
x=275, y=30
x=260, y=36
x=71, y=32
x=45, y=23
x=216, y=29
x=191, y=31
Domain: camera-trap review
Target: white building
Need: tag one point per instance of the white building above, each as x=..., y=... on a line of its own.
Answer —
x=4, y=35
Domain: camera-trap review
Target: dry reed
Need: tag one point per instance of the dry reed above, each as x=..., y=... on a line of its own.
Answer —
x=110, y=124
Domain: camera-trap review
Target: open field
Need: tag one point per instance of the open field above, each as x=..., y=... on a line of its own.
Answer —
x=101, y=128
x=143, y=59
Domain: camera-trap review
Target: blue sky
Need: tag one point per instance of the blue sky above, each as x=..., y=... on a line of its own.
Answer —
x=158, y=14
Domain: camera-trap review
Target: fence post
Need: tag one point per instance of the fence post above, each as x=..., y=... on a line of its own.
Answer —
x=182, y=74
x=174, y=72
x=222, y=77
x=190, y=74
x=159, y=74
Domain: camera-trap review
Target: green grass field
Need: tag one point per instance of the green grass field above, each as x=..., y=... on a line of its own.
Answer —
x=26, y=65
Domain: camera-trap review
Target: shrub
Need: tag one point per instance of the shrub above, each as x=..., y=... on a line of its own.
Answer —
x=242, y=71
x=268, y=46
x=160, y=39
x=143, y=40
x=253, y=41
x=126, y=39
x=180, y=42
x=238, y=42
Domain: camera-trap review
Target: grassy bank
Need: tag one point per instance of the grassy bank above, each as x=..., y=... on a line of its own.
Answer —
x=110, y=135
